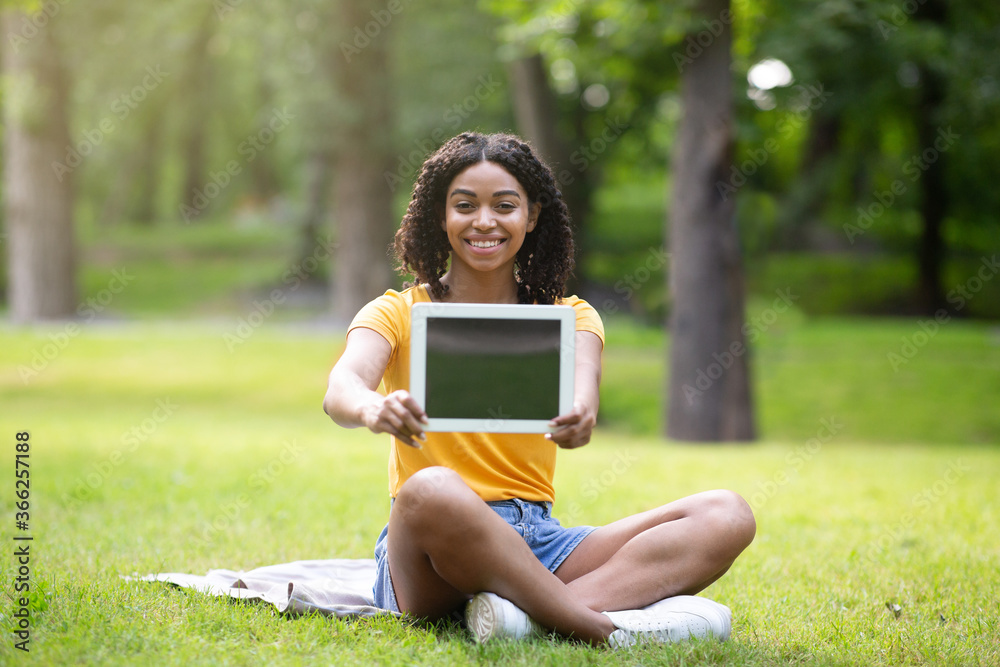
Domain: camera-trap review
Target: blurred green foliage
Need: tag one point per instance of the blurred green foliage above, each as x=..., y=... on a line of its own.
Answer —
x=217, y=268
x=151, y=81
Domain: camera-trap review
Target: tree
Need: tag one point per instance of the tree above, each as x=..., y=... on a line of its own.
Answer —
x=148, y=159
x=536, y=112
x=198, y=77
x=631, y=53
x=934, y=204
x=38, y=191
x=900, y=148
x=362, y=207
x=708, y=397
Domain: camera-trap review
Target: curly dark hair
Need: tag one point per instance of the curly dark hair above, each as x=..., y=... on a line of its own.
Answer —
x=545, y=259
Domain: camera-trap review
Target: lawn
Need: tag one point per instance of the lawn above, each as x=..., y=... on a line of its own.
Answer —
x=874, y=490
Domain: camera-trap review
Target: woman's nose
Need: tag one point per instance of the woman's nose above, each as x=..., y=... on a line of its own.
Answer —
x=485, y=220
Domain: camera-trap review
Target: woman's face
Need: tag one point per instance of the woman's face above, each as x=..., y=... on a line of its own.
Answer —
x=487, y=215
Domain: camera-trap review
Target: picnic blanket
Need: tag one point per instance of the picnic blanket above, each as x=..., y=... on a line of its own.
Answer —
x=339, y=587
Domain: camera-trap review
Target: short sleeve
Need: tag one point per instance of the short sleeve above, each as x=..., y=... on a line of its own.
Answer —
x=384, y=316
x=587, y=317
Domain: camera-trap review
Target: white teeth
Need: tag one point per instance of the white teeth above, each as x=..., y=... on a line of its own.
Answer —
x=485, y=244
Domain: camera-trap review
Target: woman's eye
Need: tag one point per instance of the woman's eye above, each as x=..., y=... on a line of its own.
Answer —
x=505, y=206
x=463, y=206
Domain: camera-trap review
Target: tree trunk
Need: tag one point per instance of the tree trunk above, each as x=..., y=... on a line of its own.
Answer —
x=536, y=116
x=318, y=170
x=801, y=212
x=362, y=208
x=709, y=395
x=38, y=191
x=197, y=90
x=262, y=168
x=148, y=161
x=934, y=200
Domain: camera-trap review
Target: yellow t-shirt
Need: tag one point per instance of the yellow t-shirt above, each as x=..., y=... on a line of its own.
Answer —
x=497, y=466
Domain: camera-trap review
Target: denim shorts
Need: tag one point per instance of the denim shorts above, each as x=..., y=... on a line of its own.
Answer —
x=533, y=521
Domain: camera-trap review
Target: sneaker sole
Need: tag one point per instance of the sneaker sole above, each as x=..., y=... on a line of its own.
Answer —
x=481, y=617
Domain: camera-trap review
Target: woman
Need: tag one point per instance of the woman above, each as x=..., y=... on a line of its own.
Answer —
x=470, y=523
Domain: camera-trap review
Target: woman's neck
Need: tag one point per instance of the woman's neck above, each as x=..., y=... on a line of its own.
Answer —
x=476, y=287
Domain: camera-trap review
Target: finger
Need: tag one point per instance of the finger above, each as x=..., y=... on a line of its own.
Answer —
x=567, y=419
x=393, y=422
x=565, y=443
x=411, y=404
x=566, y=430
x=395, y=427
x=562, y=435
x=574, y=415
x=571, y=436
x=408, y=422
x=403, y=436
x=412, y=421
x=407, y=441
x=406, y=400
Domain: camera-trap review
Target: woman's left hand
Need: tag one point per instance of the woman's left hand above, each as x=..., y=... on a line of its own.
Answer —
x=573, y=429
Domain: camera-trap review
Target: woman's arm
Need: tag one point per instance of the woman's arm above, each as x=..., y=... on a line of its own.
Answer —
x=351, y=399
x=574, y=427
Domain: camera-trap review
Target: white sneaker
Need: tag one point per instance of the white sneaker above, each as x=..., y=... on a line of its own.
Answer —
x=671, y=620
x=489, y=616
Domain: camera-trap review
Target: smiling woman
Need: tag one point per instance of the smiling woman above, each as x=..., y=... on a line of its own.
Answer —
x=470, y=523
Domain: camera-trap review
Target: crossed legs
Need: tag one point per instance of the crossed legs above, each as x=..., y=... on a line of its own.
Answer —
x=445, y=545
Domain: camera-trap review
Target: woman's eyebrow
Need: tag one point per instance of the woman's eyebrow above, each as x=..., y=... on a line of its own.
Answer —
x=470, y=193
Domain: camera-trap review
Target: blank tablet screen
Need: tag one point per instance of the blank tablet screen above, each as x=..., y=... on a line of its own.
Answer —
x=492, y=368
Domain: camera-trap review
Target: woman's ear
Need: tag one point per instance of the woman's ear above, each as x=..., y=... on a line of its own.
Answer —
x=536, y=210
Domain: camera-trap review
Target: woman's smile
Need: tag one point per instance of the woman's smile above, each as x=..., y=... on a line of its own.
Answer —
x=485, y=244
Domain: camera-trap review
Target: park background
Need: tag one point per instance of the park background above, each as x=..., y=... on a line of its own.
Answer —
x=197, y=196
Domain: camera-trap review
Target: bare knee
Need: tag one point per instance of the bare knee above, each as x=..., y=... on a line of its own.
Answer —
x=728, y=515
x=430, y=496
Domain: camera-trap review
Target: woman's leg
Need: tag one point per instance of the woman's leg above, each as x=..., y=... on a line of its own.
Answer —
x=677, y=549
x=445, y=544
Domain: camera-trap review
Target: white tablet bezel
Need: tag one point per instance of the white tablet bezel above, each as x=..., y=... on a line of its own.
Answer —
x=566, y=315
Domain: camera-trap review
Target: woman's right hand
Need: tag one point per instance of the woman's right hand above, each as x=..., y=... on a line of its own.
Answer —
x=352, y=399
x=397, y=414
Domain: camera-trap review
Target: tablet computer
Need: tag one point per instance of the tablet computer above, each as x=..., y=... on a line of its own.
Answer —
x=492, y=368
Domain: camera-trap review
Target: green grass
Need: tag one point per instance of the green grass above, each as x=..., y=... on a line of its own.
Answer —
x=807, y=369
x=206, y=269
x=898, y=507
